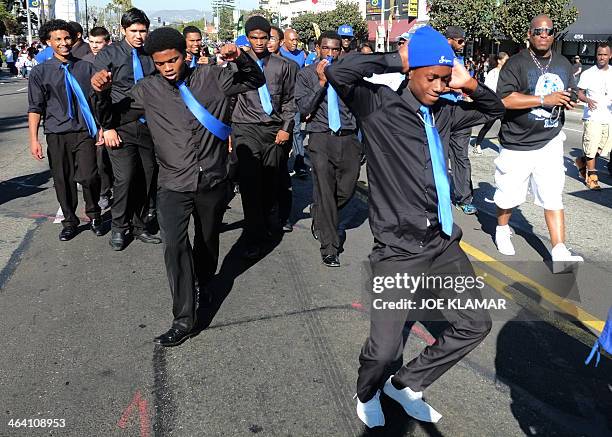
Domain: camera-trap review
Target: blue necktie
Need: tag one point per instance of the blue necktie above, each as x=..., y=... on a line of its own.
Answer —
x=209, y=121
x=333, y=106
x=264, y=94
x=438, y=164
x=194, y=61
x=137, y=66
x=138, y=73
x=72, y=86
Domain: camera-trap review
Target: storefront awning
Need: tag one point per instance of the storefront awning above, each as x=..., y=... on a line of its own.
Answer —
x=593, y=22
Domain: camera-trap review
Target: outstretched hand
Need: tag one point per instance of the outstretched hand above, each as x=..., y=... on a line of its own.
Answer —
x=230, y=52
x=101, y=81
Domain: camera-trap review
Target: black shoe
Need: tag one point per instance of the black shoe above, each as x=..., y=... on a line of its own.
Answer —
x=252, y=252
x=331, y=261
x=287, y=227
x=146, y=237
x=97, y=227
x=117, y=240
x=173, y=337
x=68, y=233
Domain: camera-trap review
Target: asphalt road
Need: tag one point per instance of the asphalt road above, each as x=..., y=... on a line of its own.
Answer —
x=280, y=354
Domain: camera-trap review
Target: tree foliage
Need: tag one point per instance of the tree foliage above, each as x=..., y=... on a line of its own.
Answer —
x=8, y=22
x=120, y=6
x=499, y=18
x=516, y=15
x=226, y=24
x=345, y=13
x=476, y=17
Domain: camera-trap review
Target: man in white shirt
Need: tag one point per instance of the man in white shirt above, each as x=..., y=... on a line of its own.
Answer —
x=595, y=89
x=10, y=61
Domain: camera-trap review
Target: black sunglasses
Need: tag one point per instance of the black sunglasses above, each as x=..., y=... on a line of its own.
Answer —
x=550, y=31
x=460, y=41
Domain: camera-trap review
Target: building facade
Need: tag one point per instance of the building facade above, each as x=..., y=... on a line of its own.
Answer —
x=66, y=10
x=290, y=9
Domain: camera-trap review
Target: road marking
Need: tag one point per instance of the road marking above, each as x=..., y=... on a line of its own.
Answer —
x=573, y=130
x=145, y=423
x=22, y=89
x=569, y=308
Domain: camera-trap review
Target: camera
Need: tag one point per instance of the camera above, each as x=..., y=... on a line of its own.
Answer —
x=573, y=95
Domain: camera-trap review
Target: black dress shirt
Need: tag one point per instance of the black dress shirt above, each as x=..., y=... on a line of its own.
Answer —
x=403, y=198
x=311, y=100
x=114, y=108
x=47, y=94
x=184, y=149
x=81, y=50
x=280, y=78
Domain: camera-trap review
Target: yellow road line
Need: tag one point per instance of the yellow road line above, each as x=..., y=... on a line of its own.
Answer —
x=569, y=308
x=533, y=307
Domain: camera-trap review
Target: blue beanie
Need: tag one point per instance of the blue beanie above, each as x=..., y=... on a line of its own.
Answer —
x=428, y=48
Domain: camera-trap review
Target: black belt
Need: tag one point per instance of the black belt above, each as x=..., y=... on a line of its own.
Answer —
x=343, y=132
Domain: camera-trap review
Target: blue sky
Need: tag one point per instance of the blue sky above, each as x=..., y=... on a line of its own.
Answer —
x=156, y=5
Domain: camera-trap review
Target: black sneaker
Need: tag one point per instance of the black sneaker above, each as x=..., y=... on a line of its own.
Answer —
x=331, y=261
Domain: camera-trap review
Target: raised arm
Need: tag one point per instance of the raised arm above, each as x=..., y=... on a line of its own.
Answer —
x=485, y=105
x=248, y=76
x=346, y=76
x=310, y=89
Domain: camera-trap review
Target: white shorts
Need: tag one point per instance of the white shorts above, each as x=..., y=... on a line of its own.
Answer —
x=543, y=169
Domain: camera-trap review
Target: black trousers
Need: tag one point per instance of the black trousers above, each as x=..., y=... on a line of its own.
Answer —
x=483, y=131
x=335, y=170
x=12, y=68
x=262, y=169
x=441, y=256
x=105, y=170
x=186, y=267
x=135, y=171
x=460, y=165
x=72, y=158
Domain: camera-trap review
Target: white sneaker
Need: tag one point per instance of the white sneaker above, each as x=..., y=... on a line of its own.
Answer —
x=412, y=402
x=371, y=412
x=502, y=240
x=563, y=259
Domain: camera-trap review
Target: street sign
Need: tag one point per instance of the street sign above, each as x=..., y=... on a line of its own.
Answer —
x=413, y=8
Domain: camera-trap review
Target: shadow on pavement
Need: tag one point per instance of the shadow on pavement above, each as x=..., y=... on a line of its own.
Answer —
x=553, y=393
x=16, y=122
x=23, y=186
x=234, y=264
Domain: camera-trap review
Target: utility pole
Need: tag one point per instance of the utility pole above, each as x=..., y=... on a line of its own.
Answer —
x=382, y=20
x=86, y=20
x=29, y=23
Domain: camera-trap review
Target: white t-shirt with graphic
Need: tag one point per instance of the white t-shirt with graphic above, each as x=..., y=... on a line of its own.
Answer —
x=597, y=84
